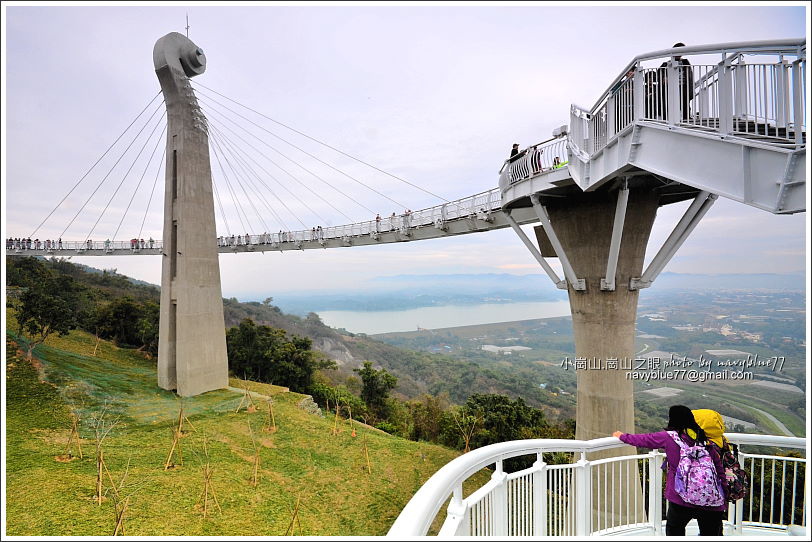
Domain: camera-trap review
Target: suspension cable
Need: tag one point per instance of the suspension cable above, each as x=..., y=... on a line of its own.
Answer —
x=311, y=155
x=239, y=180
x=323, y=143
x=355, y=201
x=228, y=183
x=140, y=180
x=93, y=166
x=110, y=171
x=219, y=202
x=239, y=160
x=124, y=178
x=224, y=150
x=289, y=174
x=149, y=202
x=241, y=157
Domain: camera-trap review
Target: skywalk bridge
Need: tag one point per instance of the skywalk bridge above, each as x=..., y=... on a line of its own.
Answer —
x=742, y=137
x=729, y=122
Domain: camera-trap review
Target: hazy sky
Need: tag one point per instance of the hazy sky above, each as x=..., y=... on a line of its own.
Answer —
x=433, y=94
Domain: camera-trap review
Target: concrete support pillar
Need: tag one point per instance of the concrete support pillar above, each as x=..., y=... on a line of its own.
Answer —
x=192, y=348
x=604, y=321
x=604, y=329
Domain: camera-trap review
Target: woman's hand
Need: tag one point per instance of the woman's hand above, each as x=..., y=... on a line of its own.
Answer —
x=617, y=434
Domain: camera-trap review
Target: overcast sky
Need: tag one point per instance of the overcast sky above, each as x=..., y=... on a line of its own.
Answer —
x=435, y=95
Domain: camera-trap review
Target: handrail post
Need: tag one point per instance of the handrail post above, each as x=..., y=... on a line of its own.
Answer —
x=781, y=94
x=639, y=94
x=725, y=82
x=455, y=523
x=500, y=507
x=797, y=101
x=672, y=71
x=655, y=502
x=540, y=496
x=610, y=116
x=740, y=91
x=583, y=496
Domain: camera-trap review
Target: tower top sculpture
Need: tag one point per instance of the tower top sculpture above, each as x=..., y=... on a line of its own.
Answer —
x=180, y=53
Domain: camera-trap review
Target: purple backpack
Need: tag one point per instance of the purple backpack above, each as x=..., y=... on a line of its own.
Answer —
x=696, y=481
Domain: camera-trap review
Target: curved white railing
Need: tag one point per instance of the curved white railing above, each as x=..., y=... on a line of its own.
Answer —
x=591, y=496
x=760, y=99
x=534, y=160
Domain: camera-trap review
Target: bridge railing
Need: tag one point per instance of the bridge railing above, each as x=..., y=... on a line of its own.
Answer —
x=556, y=496
x=756, y=89
x=56, y=246
x=477, y=206
x=534, y=160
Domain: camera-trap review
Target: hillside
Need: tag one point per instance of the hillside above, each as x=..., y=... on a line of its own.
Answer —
x=302, y=462
x=417, y=372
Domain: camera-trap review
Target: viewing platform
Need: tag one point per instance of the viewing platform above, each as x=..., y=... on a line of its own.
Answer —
x=565, y=494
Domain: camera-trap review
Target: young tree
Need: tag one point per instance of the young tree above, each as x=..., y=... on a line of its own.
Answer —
x=49, y=305
x=375, y=388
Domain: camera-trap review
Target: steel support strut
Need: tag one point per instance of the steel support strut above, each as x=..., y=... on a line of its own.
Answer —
x=559, y=283
x=577, y=284
x=701, y=204
x=608, y=282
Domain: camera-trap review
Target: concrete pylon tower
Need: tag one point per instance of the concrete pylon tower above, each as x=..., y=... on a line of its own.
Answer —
x=192, y=355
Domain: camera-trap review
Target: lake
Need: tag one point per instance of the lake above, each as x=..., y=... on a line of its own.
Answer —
x=372, y=322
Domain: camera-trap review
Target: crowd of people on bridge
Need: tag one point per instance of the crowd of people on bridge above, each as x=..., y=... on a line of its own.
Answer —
x=316, y=233
x=25, y=243
x=48, y=245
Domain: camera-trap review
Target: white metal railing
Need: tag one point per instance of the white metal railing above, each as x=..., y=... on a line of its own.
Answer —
x=742, y=94
x=534, y=160
x=479, y=205
x=57, y=245
x=604, y=496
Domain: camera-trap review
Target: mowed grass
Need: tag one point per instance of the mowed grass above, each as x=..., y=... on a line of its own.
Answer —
x=301, y=461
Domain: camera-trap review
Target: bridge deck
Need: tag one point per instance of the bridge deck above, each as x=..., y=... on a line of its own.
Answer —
x=361, y=234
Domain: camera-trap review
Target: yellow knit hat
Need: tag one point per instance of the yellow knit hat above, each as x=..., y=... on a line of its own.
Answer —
x=712, y=423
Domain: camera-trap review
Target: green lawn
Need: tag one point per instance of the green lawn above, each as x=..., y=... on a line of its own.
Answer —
x=301, y=461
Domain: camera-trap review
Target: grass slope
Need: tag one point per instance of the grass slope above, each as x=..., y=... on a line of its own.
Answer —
x=301, y=461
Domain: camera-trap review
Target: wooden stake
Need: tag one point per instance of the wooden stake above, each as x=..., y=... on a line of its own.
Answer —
x=335, y=422
x=99, y=473
x=180, y=420
x=190, y=423
x=109, y=477
x=74, y=434
x=207, y=485
x=352, y=427
x=98, y=340
x=366, y=452
x=255, y=477
x=271, y=427
x=246, y=398
x=120, y=518
x=294, y=518
x=175, y=444
x=177, y=434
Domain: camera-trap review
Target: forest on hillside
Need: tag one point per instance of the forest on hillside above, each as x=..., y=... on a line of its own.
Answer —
x=411, y=394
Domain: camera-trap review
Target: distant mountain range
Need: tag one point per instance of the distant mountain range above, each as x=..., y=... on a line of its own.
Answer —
x=401, y=292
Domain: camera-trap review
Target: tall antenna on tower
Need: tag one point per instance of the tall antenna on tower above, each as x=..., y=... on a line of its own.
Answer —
x=187, y=25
